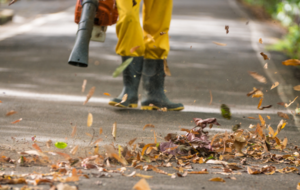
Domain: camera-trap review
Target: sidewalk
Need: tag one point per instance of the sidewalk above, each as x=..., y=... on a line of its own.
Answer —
x=37, y=82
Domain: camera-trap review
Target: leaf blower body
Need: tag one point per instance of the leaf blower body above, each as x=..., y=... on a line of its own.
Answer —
x=91, y=15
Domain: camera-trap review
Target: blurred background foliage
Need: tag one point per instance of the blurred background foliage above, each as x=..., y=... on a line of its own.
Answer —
x=288, y=13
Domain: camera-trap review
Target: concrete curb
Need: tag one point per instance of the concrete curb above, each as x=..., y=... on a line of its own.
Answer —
x=6, y=15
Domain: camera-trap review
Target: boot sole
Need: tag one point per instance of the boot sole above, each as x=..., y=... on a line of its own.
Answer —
x=116, y=104
x=158, y=108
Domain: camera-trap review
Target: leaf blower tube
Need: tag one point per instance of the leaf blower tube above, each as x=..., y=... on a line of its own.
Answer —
x=80, y=53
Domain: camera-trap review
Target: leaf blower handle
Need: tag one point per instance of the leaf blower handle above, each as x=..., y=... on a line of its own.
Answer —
x=80, y=52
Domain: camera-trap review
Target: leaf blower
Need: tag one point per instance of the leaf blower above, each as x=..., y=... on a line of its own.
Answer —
x=92, y=17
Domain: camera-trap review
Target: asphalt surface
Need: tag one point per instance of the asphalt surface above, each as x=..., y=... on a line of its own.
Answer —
x=37, y=82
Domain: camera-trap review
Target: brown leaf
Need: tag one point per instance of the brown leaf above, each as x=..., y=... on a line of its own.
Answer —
x=291, y=62
x=284, y=143
x=148, y=125
x=259, y=130
x=114, y=130
x=17, y=121
x=88, y=134
x=100, y=131
x=259, y=104
x=252, y=92
x=271, y=131
x=83, y=85
x=111, y=152
x=275, y=85
x=217, y=179
x=74, y=150
x=131, y=141
x=198, y=172
x=251, y=172
x=106, y=94
x=11, y=112
x=262, y=108
x=258, y=77
x=220, y=44
x=287, y=105
x=297, y=88
x=283, y=115
x=166, y=68
x=49, y=143
x=134, y=49
x=89, y=95
x=227, y=29
x=264, y=56
x=97, y=141
x=74, y=131
x=146, y=147
x=36, y=147
x=262, y=121
x=280, y=126
x=260, y=40
x=90, y=120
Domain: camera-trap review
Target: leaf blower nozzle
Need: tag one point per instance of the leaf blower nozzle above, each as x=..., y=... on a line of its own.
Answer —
x=80, y=52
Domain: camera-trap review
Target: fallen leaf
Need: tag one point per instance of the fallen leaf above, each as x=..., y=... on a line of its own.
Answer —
x=227, y=29
x=283, y=115
x=106, y=94
x=74, y=131
x=287, y=105
x=258, y=77
x=291, y=62
x=111, y=152
x=264, y=56
x=90, y=120
x=198, y=172
x=216, y=162
x=217, y=179
x=251, y=172
x=114, y=130
x=266, y=66
x=148, y=125
x=220, y=44
x=284, y=143
x=89, y=95
x=83, y=85
x=17, y=121
x=166, y=68
x=145, y=177
x=64, y=186
x=146, y=147
x=74, y=150
x=260, y=40
x=275, y=85
x=11, y=112
x=134, y=49
x=122, y=67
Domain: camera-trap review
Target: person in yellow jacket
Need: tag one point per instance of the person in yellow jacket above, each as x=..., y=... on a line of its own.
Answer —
x=148, y=58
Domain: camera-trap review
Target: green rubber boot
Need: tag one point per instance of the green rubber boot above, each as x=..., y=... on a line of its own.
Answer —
x=154, y=97
x=131, y=80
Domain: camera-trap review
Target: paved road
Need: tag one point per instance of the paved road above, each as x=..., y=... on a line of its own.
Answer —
x=37, y=82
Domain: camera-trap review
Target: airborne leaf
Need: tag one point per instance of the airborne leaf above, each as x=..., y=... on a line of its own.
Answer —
x=83, y=85
x=90, y=120
x=220, y=44
x=291, y=62
x=11, y=112
x=225, y=111
x=166, y=68
x=134, y=49
x=114, y=130
x=89, y=95
x=258, y=77
x=122, y=67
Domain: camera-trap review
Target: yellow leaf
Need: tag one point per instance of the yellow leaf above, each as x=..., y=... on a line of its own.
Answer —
x=100, y=131
x=260, y=40
x=298, y=186
x=145, y=177
x=145, y=148
x=114, y=130
x=90, y=120
x=287, y=105
x=106, y=94
x=271, y=131
x=89, y=95
x=220, y=44
x=258, y=94
x=259, y=104
x=262, y=121
x=268, y=117
x=291, y=62
x=297, y=88
x=217, y=179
